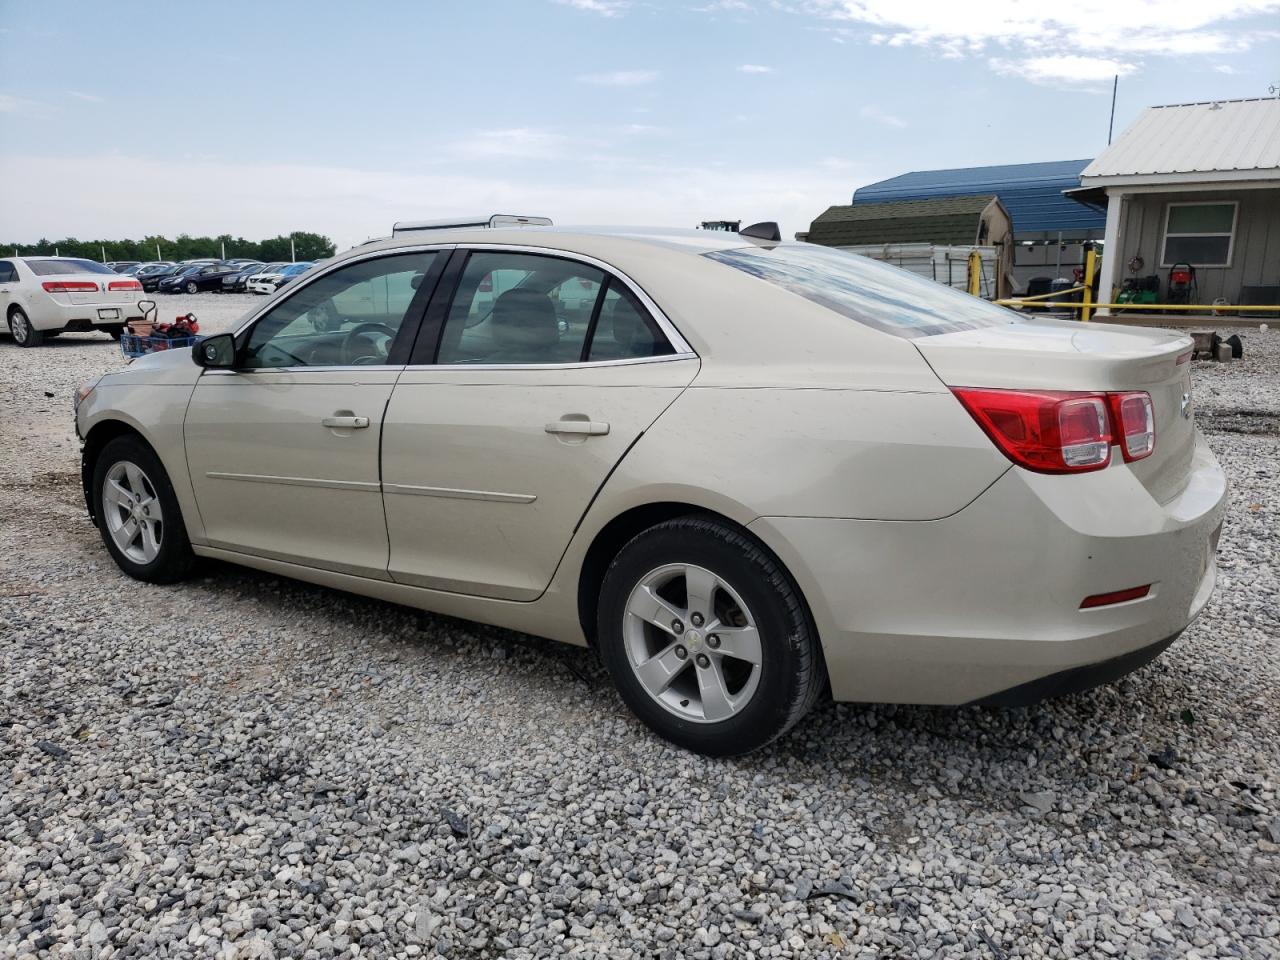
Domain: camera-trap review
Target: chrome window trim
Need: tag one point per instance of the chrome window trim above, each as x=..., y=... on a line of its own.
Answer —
x=678, y=343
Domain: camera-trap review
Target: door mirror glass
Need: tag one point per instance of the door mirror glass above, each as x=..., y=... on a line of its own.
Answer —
x=216, y=353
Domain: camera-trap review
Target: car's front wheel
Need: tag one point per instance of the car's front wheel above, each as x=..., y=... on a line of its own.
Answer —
x=138, y=513
x=24, y=334
x=707, y=638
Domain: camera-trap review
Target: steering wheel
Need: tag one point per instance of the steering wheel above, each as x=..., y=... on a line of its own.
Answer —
x=358, y=331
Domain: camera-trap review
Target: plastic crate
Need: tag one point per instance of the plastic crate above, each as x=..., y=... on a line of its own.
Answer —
x=133, y=345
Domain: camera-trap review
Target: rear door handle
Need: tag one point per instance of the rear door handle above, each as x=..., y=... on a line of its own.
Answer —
x=581, y=428
x=350, y=423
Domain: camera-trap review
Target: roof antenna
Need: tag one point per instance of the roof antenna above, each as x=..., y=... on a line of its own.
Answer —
x=1115, y=84
x=764, y=230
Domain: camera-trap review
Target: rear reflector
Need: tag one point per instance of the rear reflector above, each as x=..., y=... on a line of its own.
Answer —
x=1044, y=431
x=1135, y=423
x=1117, y=596
x=124, y=285
x=69, y=286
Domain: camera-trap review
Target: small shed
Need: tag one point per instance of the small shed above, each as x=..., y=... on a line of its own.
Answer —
x=953, y=225
x=1197, y=184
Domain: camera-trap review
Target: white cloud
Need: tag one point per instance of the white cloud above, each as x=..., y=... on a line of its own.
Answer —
x=871, y=112
x=520, y=142
x=97, y=195
x=606, y=8
x=620, y=78
x=754, y=68
x=726, y=6
x=1068, y=69
x=87, y=97
x=12, y=104
x=1014, y=34
x=1225, y=68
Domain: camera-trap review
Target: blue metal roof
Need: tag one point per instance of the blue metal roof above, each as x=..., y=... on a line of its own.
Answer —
x=1031, y=192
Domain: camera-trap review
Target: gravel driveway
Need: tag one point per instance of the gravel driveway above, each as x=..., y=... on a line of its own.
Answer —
x=243, y=766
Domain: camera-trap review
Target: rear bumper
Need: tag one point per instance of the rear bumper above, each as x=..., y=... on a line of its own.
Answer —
x=987, y=601
x=48, y=314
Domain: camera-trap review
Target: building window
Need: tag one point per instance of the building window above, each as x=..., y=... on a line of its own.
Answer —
x=1200, y=234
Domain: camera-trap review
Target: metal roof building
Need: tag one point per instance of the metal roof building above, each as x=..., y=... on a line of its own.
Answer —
x=1194, y=143
x=1195, y=184
x=1031, y=192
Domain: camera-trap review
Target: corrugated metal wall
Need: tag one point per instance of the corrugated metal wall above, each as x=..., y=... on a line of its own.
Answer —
x=1255, y=256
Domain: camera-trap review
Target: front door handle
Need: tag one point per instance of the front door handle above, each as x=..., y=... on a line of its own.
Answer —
x=350, y=423
x=579, y=428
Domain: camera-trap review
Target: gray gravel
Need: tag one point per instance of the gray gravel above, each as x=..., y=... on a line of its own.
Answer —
x=243, y=766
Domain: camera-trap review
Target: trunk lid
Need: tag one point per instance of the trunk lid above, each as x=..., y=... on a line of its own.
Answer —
x=1046, y=354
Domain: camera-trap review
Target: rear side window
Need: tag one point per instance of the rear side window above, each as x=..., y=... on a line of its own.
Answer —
x=878, y=295
x=56, y=268
x=625, y=330
x=7, y=272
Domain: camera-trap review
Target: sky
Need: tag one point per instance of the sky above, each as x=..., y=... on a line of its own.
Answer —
x=129, y=118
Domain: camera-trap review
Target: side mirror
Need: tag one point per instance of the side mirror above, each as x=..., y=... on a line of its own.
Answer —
x=216, y=353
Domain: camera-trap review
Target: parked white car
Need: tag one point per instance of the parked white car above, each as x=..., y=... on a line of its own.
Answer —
x=265, y=280
x=753, y=472
x=44, y=296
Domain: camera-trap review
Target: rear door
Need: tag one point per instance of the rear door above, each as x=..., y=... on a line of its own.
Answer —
x=8, y=286
x=544, y=371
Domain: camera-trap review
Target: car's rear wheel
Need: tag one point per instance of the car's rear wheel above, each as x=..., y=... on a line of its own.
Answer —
x=115, y=331
x=707, y=638
x=24, y=334
x=191, y=287
x=138, y=513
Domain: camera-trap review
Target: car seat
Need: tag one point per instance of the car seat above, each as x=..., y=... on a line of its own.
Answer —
x=525, y=328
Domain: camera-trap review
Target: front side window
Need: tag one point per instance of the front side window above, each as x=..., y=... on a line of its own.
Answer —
x=1199, y=234
x=521, y=308
x=884, y=297
x=348, y=317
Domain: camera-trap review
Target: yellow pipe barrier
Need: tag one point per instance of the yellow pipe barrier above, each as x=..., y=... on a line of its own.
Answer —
x=1041, y=296
x=1224, y=309
x=975, y=273
x=1090, y=261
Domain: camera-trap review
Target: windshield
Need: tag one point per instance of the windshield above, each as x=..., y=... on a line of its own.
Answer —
x=881, y=296
x=57, y=268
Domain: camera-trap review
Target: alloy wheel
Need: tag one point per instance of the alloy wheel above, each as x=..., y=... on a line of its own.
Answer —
x=19, y=326
x=131, y=511
x=692, y=643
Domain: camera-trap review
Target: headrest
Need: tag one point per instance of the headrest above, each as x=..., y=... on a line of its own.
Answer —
x=525, y=318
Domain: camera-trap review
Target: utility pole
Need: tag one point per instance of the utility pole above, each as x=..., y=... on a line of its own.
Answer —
x=104, y=252
x=1115, y=83
x=293, y=251
x=158, y=257
x=224, y=249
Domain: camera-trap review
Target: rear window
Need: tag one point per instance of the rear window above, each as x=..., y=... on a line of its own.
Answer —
x=885, y=297
x=57, y=268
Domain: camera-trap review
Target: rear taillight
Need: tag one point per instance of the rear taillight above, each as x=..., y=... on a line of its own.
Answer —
x=124, y=285
x=1048, y=432
x=1135, y=424
x=1116, y=596
x=1060, y=432
x=69, y=286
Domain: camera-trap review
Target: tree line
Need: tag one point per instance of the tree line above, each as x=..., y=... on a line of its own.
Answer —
x=305, y=246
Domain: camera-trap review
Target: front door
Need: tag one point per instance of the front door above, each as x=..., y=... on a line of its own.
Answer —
x=283, y=450
x=547, y=370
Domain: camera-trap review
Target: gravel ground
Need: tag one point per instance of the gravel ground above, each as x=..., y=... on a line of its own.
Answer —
x=244, y=766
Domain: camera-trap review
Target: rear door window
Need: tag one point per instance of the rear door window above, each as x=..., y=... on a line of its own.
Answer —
x=7, y=272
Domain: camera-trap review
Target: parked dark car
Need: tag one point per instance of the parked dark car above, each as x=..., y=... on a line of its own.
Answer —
x=142, y=269
x=151, y=281
x=120, y=266
x=198, y=278
x=234, y=282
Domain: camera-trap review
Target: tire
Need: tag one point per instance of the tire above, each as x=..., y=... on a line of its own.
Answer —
x=755, y=691
x=191, y=287
x=115, y=331
x=165, y=556
x=24, y=334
